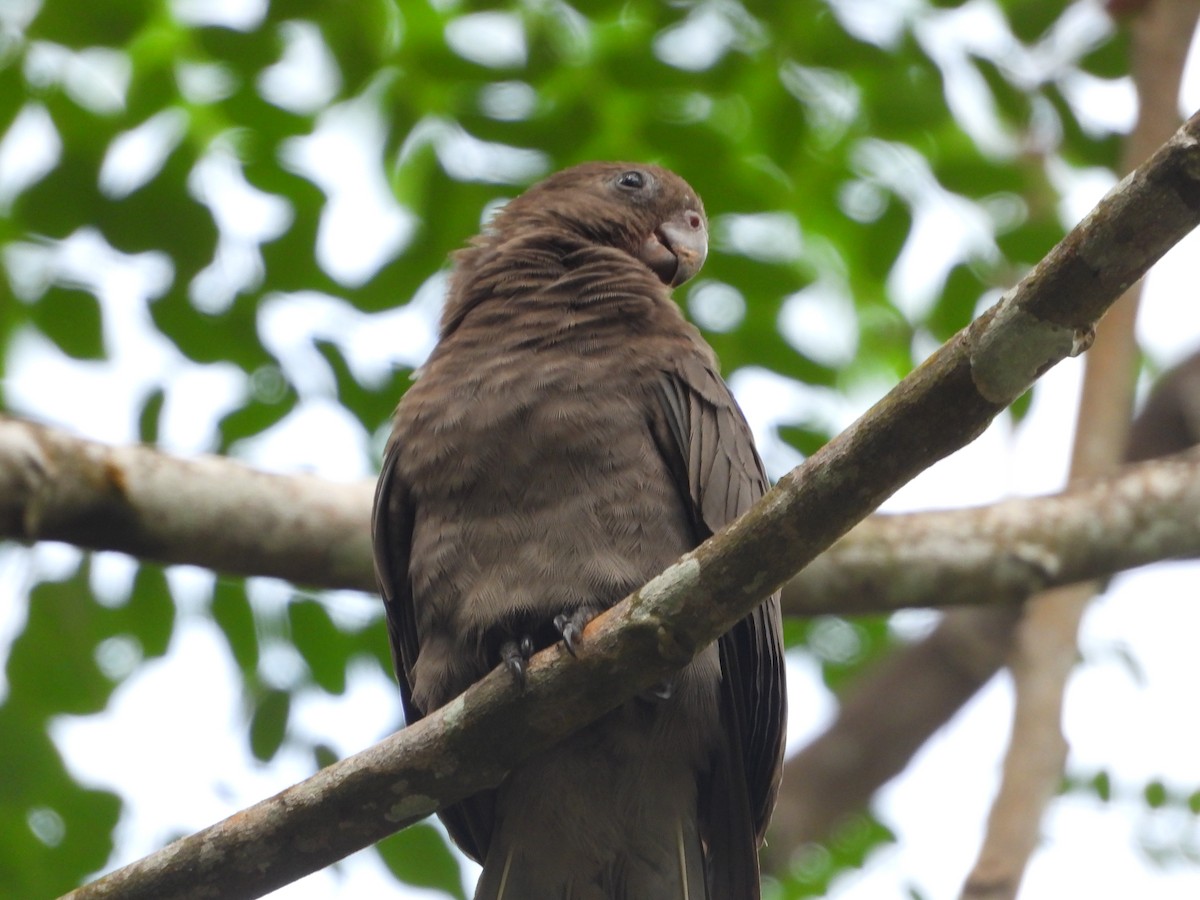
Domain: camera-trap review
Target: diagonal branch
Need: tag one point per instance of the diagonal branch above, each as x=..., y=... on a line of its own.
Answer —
x=469, y=744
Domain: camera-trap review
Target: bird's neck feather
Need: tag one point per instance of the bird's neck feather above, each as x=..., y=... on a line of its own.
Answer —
x=553, y=280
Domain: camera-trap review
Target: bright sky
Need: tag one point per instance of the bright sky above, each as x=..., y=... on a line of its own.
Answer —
x=173, y=742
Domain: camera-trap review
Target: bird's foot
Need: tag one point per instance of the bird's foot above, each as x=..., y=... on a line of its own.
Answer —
x=516, y=649
x=571, y=624
x=515, y=654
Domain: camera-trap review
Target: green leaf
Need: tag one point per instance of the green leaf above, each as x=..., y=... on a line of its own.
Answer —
x=255, y=418
x=806, y=440
x=1021, y=406
x=956, y=307
x=324, y=755
x=845, y=647
x=375, y=639
x=52, y=830
x=150, y=612
x=1013, y=103
x=372, y=405
x=323, y=646
x=814, y=866
x=71, y=318
x=419, y=856
x=1111, y=58
x=151, y=415
x=268, y=724
x=231, y=611
x=1030, y=19
x=63, y=617
x=88, y=24
x=1155, y=794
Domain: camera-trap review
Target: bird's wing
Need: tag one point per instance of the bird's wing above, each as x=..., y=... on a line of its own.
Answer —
x=469, y=822
x=707, y=443
x=391, y=530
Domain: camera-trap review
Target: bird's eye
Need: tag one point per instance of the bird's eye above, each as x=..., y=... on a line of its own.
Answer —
x=632, y=180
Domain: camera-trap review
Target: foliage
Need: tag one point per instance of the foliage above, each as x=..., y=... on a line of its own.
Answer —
x=252, y=188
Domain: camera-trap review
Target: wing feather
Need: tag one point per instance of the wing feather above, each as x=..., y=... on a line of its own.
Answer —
x=469, y=822
x=709, y=448
x=391, y=532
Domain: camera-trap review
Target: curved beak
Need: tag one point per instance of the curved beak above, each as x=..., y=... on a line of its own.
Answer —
x=676, y=250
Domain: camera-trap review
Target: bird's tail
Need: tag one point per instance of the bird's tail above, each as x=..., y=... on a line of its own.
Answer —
x=665, y=866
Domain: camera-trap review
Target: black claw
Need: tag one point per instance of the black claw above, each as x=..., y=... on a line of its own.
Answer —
x=571, y=628
x=515, y=655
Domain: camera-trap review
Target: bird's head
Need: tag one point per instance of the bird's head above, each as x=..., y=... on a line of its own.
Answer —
x=647, y=211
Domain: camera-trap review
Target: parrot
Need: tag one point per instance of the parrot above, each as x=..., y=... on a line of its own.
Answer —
x=568, y=438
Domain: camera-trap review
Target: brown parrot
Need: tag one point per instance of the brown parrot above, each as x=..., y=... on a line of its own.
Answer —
x=567, y=440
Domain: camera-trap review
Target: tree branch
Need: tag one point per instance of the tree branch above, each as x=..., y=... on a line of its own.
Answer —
x=208, y=511
x=469, y=744
x=223, y=515
x=1006, y=552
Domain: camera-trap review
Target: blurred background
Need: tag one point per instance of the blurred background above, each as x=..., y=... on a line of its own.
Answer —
x=224, y=227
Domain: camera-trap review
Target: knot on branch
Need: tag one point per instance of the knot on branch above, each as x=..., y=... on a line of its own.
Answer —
x=1013, y=348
